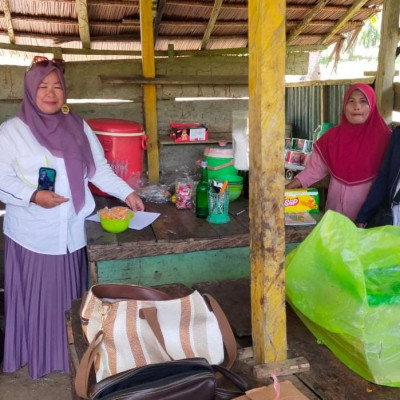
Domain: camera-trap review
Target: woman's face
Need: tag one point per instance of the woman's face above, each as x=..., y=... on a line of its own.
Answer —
x=357, y=108
x=50, y=94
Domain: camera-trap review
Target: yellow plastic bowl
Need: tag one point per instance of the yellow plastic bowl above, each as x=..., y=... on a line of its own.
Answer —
x=116, y=225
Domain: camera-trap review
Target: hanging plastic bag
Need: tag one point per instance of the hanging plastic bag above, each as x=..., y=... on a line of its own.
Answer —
x=344, y=283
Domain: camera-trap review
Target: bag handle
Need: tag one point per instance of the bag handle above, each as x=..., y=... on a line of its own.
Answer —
x=123, y=291
x=85, y=365
x=150, y=315
x=237, y=380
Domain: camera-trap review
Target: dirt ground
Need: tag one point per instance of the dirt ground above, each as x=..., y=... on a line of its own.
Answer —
x=19, y=386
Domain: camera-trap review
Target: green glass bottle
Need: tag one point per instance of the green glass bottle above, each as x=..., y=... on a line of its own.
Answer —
x=202, y=193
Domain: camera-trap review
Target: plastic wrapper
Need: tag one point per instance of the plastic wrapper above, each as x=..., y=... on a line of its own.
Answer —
x=344, y=283
x=153, y=192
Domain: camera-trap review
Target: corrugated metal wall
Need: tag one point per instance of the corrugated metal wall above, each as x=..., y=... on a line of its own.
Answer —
x=303, y=108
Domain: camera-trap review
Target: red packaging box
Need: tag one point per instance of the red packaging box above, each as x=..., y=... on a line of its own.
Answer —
x=188, y=132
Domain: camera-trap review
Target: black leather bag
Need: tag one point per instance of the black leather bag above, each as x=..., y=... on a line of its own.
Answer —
x=191, y=378
x=384, y=215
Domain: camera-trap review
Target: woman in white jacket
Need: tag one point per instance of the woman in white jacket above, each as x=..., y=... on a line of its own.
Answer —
x=45, y=244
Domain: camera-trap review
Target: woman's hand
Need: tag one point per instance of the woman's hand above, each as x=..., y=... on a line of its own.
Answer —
x=361, y=225
x=134, y=202
x=294, y=184
x=48, y=199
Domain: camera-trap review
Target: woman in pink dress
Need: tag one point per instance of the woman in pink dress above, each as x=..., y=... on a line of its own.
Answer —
x=350, y=153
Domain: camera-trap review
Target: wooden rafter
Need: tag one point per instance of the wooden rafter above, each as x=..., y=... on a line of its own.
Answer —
x=342, y=21
x=83, y=21
x=158, y=18
x=211, y=23
x=8, y=18
x=310, y=15
x=137, y=53
x=119, y=3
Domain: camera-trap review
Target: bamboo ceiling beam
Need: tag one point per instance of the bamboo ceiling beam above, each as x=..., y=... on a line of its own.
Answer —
x=8, y=18
x=235, y=24
x=327, y=24
x=120, y=3
x=73, y=22
x=208, y=4
x=158, y=18
x=83, y=22
x=211, y=23
x=343, y=20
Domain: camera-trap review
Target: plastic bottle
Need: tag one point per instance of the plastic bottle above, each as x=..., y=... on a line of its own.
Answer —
x=202, y=193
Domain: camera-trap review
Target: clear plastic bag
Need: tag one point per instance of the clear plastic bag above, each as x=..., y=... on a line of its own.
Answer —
x=344, y=283
x=153, y=192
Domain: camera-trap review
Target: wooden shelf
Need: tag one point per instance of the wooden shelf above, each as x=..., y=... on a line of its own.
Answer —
x=212, y=139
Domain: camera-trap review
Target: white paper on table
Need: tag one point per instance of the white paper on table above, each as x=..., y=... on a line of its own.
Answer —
x=140, y=220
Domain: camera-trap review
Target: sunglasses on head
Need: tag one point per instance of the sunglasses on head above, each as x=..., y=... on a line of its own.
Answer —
x=41, y=61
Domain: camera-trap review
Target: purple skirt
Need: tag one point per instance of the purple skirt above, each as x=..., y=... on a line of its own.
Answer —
x=39, y=289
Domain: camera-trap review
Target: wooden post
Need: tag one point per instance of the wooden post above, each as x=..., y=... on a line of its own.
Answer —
x=386, y=58
x=149, y=90
x=323, y=101
x=267, y=131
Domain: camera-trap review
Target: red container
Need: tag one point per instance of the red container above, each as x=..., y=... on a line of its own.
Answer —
x=123, y=143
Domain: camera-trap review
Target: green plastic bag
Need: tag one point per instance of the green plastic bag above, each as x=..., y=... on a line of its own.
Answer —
x=344, y=283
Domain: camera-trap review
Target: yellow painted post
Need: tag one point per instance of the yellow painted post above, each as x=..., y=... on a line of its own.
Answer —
x=267, y=131
x=149, y=90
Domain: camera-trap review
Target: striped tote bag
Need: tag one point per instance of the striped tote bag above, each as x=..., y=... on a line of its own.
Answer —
x=129, y=326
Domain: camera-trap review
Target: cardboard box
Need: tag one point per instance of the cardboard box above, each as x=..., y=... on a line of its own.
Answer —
x=287, y=391
x=300, y=200
x=188, y=132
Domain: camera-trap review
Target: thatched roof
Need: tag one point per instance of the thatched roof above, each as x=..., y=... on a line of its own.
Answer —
x=84, y=26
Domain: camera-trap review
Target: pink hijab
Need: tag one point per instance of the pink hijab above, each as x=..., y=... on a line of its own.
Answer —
x=353, y=153
x=62, y=134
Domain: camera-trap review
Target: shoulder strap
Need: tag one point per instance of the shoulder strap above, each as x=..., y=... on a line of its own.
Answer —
x=85, y=365
x=237, y=380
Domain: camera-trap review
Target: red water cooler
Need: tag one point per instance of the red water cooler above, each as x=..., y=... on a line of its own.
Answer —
x=123, y=142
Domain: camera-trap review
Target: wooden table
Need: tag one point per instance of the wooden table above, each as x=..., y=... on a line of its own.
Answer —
x=177, y=247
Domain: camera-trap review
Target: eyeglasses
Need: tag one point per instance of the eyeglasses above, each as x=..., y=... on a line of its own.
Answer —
x=41, y=61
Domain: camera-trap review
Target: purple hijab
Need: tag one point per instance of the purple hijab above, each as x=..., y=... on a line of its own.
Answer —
x=61, y=134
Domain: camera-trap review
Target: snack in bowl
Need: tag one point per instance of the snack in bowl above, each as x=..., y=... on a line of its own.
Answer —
x=115, y=219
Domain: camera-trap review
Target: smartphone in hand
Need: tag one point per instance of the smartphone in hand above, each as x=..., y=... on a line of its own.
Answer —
x=47, y=179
